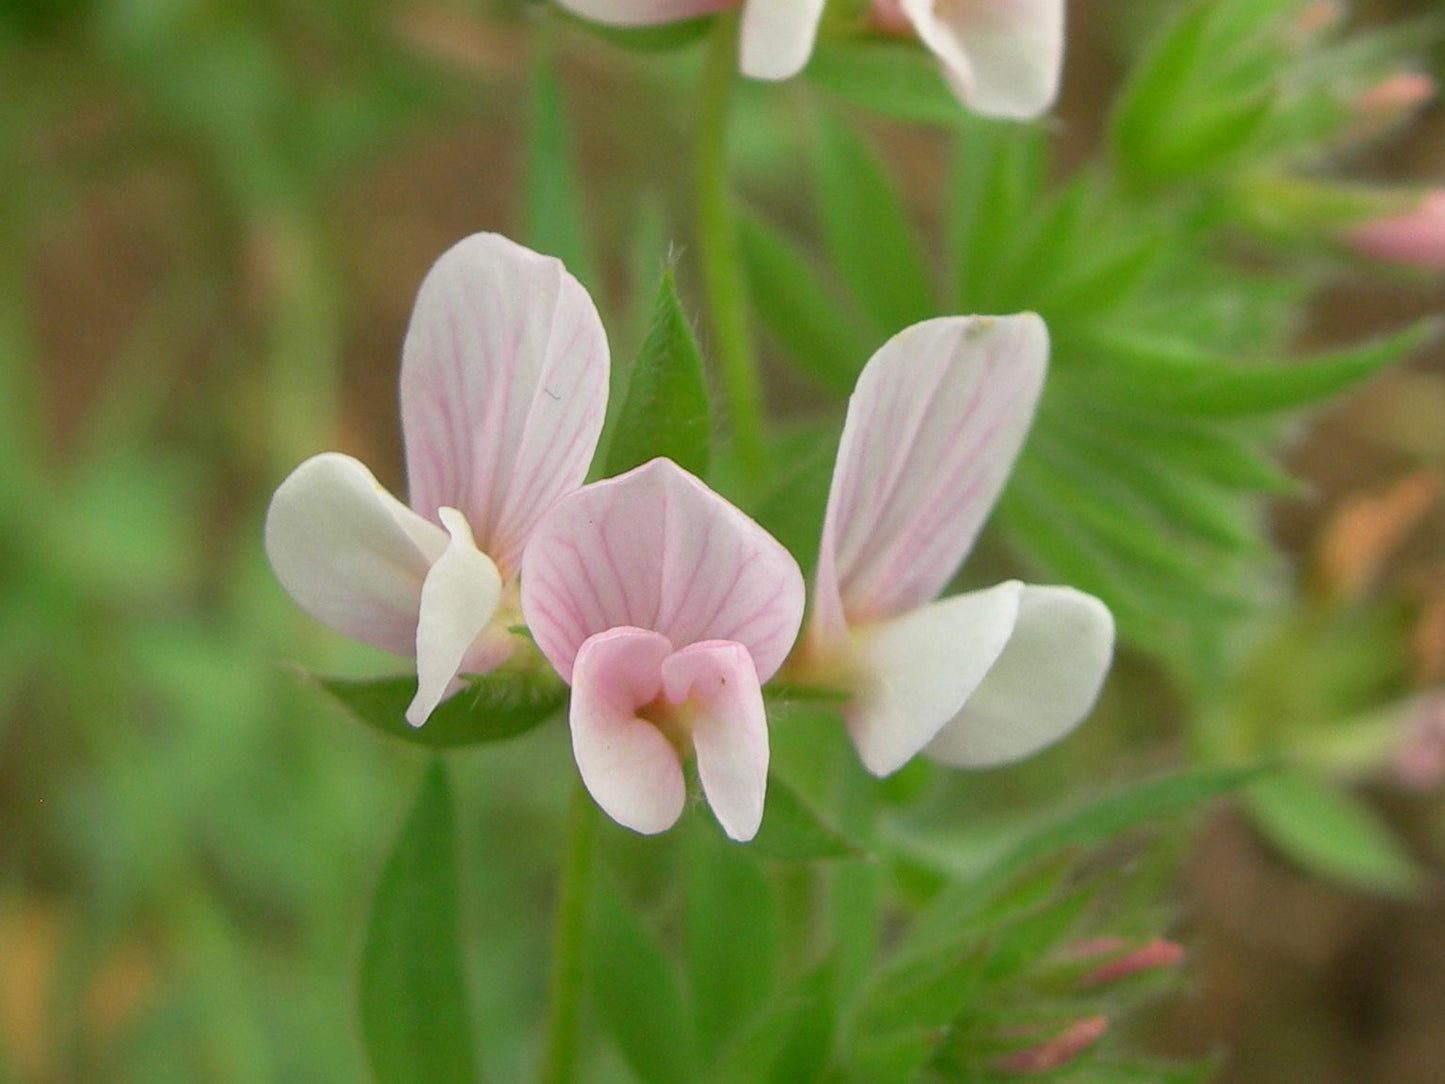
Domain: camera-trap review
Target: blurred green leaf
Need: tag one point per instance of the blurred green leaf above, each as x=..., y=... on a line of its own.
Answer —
x=414, y=1014
x=866, y=227
x=637, y=995
x=1330, y=832
x=792, y=508
x=732, y=934
x=493, y=707
x=554, y=205
x=820, y=330
x=793, y=832
x=897, y=79
x=665, y=411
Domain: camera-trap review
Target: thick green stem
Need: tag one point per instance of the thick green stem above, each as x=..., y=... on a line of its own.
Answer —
x=722, y=275
x=569, y=944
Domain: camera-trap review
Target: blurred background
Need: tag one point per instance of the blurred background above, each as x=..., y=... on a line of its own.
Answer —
x=213, y=219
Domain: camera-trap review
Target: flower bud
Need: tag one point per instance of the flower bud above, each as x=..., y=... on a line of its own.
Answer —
x=1413, y=238
x=1054, y=1052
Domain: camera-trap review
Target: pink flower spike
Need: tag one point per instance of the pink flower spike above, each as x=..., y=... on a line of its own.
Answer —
x=1052, y=1053
x=729, y=729
x=1414, y=238
x=777, y=37
x=1002, y=58
x=503, y=390
x=1041, y=687
x=933, y=429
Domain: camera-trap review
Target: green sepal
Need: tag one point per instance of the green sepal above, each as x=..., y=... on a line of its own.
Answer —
x=665, y=411
x=493, y=707
x=414, y=1015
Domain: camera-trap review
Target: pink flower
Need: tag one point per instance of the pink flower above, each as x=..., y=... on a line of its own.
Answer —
x=976, y=679
x=665, y=608
x=503, y=391
x=1415, y=237
x=1002, y=58
x=776, y=36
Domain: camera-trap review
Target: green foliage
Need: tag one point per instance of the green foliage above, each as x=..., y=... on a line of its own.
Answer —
x=554, y=210
x=414, y=1012
x=893, y=78
x=493, y=707
x=1329, y=831
x=665, y=411
x=793, y=832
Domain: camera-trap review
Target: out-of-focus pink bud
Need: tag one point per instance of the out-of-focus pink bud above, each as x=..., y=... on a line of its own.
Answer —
x=1420, y=758
x=1063, y=1048
x=1153, y=956
x=1320, y=16
x=1398, y=93
x=886, y=17
x=1415, y=238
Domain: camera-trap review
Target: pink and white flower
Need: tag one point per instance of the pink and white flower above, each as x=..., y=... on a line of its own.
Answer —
x=982, y=678
x=775, y=39
x=665, y=608
x=503, y=390
x=1001, y=58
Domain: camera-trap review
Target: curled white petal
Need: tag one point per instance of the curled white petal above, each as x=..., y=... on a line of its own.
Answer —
x=1042, y=686
x=349, y=553
x=1002, y=58
x=914, y=673
x=643, y=12
x=458, y=599
x=777, y=37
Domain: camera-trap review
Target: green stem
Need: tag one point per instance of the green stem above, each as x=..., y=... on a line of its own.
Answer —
x=722, y=276
x=569, y=944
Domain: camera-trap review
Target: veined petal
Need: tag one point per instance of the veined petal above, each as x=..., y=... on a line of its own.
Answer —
x=458, y=598
x=1003, y=58
x=717, y=680
x=656, y=549
x=933, y=428
x=644, y=12
x=350, y=554
x=777, y=37
x=915, y=672
x=503, y=390
x=1041, y=687
x=630, y=768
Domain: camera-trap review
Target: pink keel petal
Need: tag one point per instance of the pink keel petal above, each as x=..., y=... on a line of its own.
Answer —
x=916, y=671
x=644, y=12
x=457, y=601
x=630, y=768
x=656, y=549
x=503, y=390
x=717, y=681
x=933, y=429
x=1003, y=58
x=349, y=553
x=1043, y=685
x=777, y=37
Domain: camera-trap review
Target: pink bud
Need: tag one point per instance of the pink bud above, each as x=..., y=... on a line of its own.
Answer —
x=886, y=17
x=1319, y=16
x=1059, y=1050
x=1396, y=94
x=1415, y=238
x=1153, y=956
x=1420, y=759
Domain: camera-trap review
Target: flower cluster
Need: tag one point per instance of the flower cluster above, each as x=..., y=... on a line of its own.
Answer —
x=663, y=606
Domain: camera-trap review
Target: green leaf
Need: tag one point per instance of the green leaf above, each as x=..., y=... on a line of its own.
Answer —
x=820, y=330
x=493, y=707
x=1332, y=833
x=637, y=995
x=1168, y=374
x=553, y=215
x=665, y=411
x=793, y=832
x=996, y=185
x=414, y=1015
x=866, y=227
x=897, y=79
x=732, y=934
x=792, y=509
